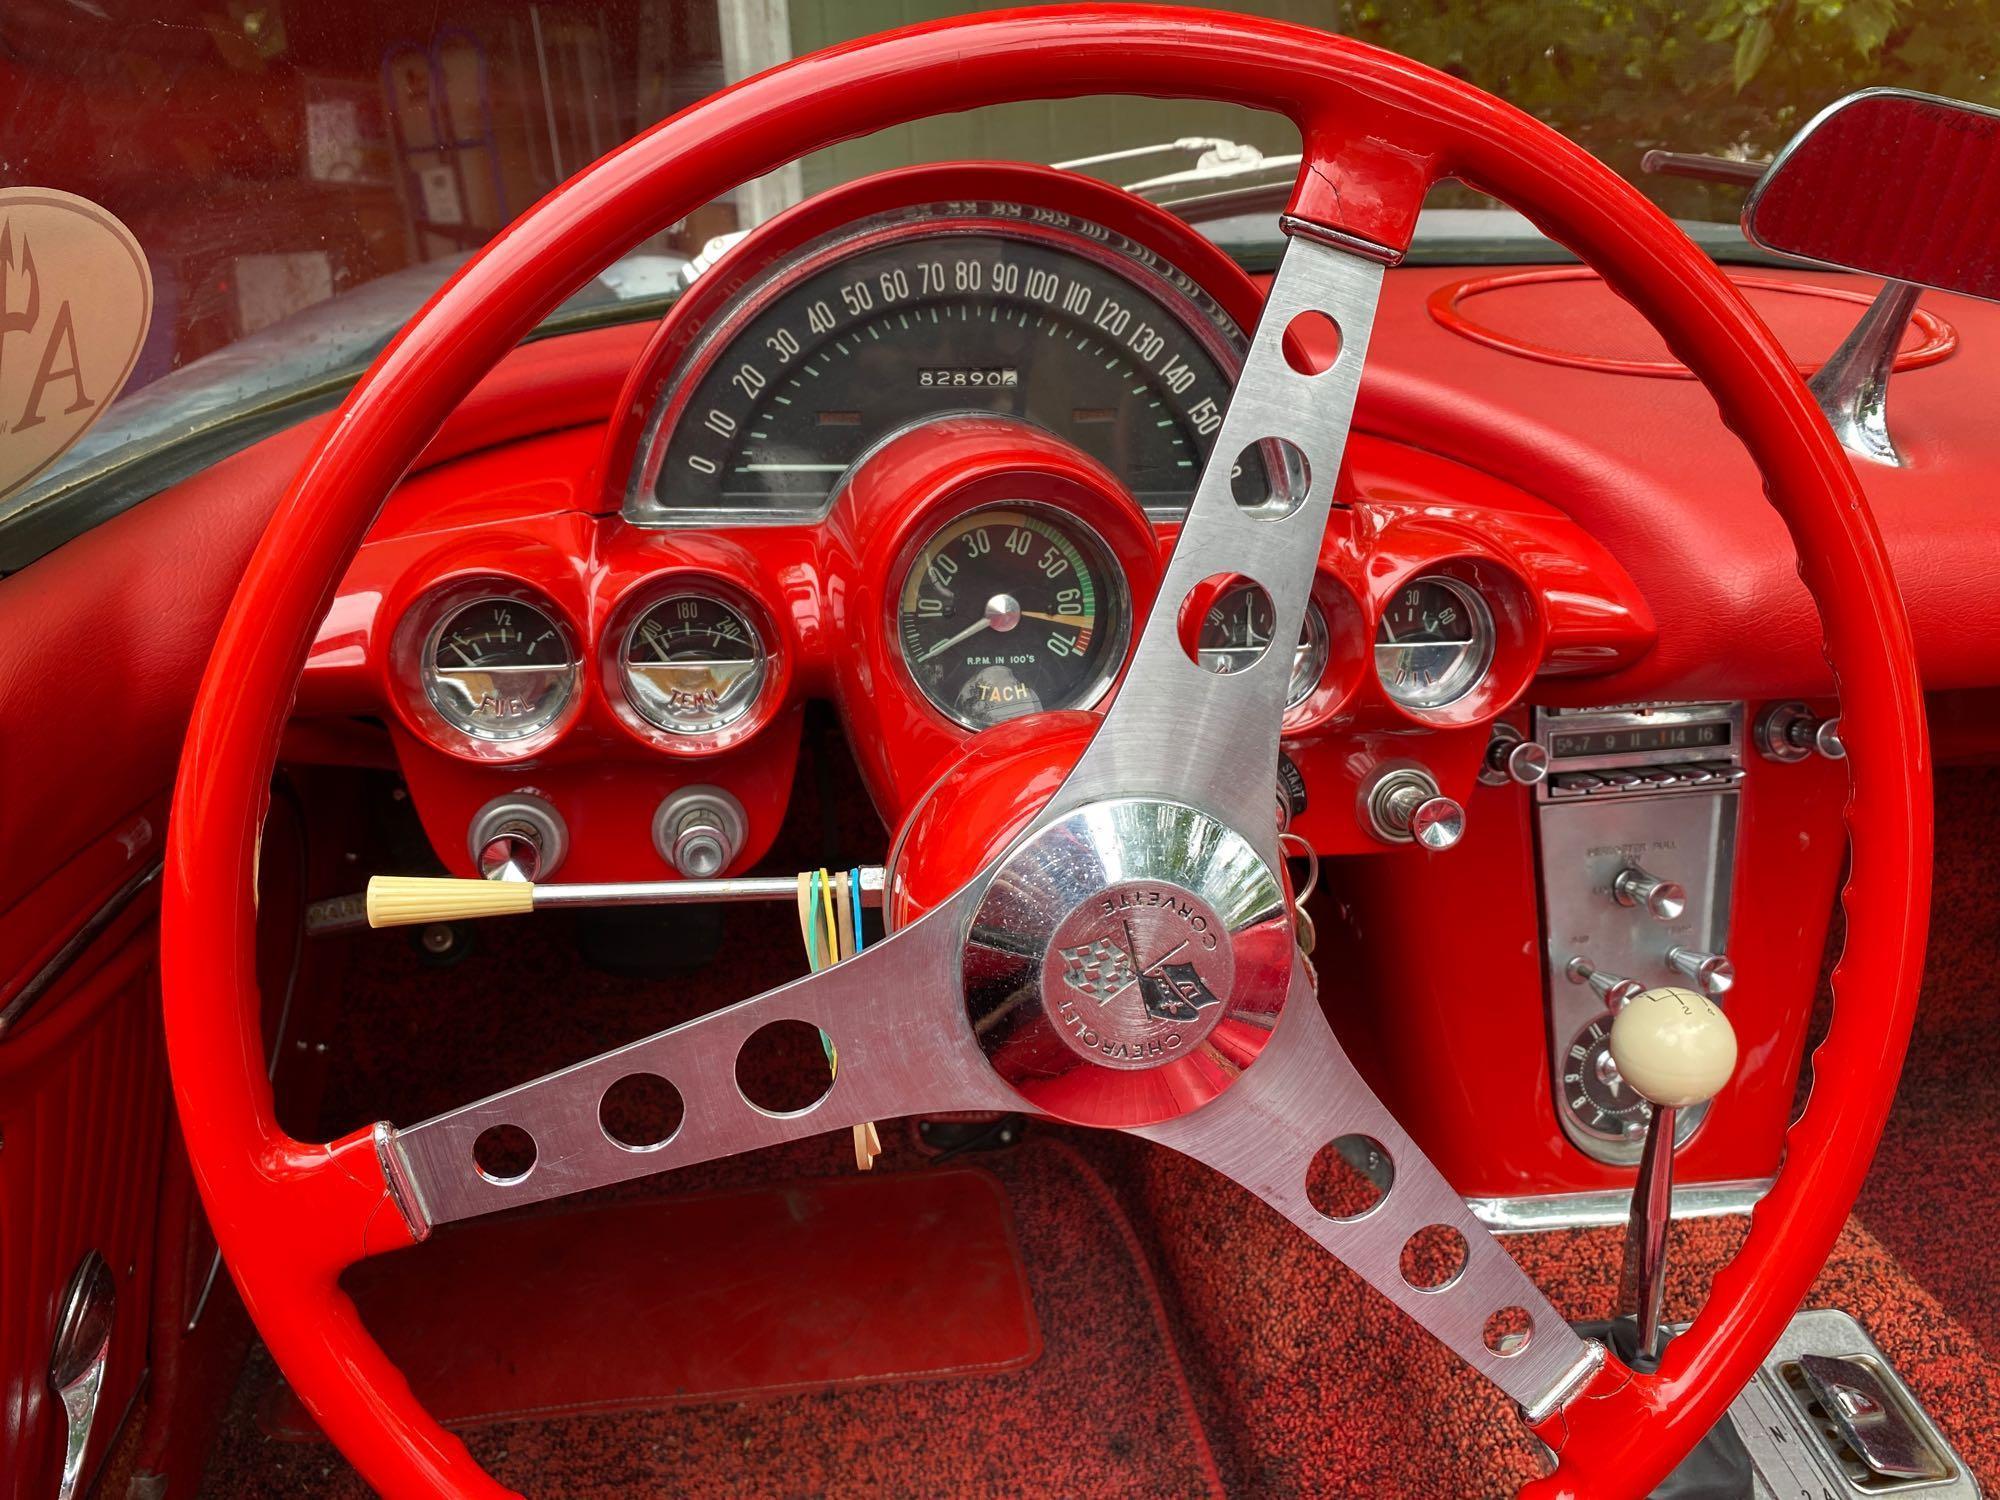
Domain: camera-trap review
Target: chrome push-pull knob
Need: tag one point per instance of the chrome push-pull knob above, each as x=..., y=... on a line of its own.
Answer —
x=1405, y=806
x=1613, y=989
x=1792, y=731
x=1712, y=973
x=1512, y=758
x=519, y=838
x=1663, y=900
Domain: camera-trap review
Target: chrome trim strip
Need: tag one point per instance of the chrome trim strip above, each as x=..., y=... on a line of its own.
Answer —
x=1588, y=1362
x=1533, y=1213
x=1340, y=239
x=43, y=979
x=402, y=1186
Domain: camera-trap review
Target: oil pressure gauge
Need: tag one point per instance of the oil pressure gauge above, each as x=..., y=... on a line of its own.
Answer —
x=498, y=668
x=693, y=663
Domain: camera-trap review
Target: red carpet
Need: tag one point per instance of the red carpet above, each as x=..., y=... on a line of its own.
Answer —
x=1933, y=1196
x=1301, y=1378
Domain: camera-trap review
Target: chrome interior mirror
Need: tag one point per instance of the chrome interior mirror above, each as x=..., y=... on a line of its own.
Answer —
x=1891, y=183
x=1895, y=184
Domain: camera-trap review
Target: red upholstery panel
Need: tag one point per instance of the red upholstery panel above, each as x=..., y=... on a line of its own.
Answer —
x=83, y=1089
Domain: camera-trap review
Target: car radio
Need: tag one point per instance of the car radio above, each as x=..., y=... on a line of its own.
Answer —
x=1635, y=834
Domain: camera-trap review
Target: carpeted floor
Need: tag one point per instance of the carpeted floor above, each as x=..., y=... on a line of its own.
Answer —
x=1934, y=1192
x=1106, y=1410
x=1282, y=1374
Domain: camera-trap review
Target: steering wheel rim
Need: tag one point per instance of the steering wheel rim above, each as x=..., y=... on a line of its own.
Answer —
x=1378, y=130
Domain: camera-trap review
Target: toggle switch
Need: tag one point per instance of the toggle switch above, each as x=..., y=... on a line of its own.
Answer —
x=1712, y=973
x=1615, y=990
x=1663, y=900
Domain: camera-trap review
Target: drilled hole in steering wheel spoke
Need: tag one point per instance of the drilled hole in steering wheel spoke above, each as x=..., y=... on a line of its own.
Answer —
x=640, y=1112
x=1312, y=342
x=1225, y=623
x=1270, y=479
x=504, y=1154
x=786, y=1067
x=1348, y=1178
x=1433, y=1258
x=1508, y=1331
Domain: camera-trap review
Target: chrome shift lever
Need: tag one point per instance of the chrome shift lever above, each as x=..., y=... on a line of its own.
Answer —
x=1676, y=1049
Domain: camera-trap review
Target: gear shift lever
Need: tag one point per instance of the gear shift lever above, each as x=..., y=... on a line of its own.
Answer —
x=1676, y=1049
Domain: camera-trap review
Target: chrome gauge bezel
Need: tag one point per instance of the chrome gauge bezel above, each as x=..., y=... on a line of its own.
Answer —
x=1466, y=673
x=1316, y=647
x=1118, y=603
x=412, y=663
x=726, y=714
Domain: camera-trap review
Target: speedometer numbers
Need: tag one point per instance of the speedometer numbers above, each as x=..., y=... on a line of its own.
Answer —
x=1012, y=611
x=1073, y=330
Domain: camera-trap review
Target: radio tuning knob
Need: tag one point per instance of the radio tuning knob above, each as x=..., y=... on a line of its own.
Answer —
x=1712, y=973
x=1615, y=990
x=1663, y=900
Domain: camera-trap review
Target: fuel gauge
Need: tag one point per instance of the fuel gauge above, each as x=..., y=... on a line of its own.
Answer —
x=499, y=669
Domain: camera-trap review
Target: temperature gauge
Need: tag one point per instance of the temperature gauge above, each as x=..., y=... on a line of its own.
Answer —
x=693, y=664
x=499, y=669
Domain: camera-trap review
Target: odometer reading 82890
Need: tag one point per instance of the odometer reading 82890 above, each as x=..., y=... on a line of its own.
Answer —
x=1012, y=611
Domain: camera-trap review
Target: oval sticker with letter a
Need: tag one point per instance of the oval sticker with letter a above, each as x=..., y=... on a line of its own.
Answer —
x=76, y=296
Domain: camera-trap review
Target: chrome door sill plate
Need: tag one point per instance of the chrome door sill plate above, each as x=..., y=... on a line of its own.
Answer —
x=1797, y=1453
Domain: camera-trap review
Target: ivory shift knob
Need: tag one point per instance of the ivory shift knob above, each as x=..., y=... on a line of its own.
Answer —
x=404, y=900
x=1674, y=1047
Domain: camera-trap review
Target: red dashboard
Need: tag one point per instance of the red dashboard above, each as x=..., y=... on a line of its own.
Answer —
x=1599, y=514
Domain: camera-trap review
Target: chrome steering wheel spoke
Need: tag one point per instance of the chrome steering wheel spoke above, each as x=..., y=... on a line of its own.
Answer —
x=891, y=1013
x=1302, y=1098
x=1177, y=730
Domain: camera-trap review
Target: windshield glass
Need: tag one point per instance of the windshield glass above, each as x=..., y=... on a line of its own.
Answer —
x=302, y=174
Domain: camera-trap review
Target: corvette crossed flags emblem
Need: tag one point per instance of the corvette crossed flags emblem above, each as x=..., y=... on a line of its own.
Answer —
x=1104, y=969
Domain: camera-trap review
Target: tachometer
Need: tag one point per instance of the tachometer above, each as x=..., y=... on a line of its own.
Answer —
x=993, y=308
x=1012, y=611
x=498, y=669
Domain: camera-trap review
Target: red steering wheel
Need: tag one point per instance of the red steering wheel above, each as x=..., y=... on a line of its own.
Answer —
x=1267, y=1084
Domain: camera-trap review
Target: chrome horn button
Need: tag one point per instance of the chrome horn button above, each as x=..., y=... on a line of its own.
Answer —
x=1127, y=963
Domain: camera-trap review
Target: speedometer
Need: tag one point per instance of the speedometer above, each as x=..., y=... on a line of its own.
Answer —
x=1012, y=611
x=934, y=311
